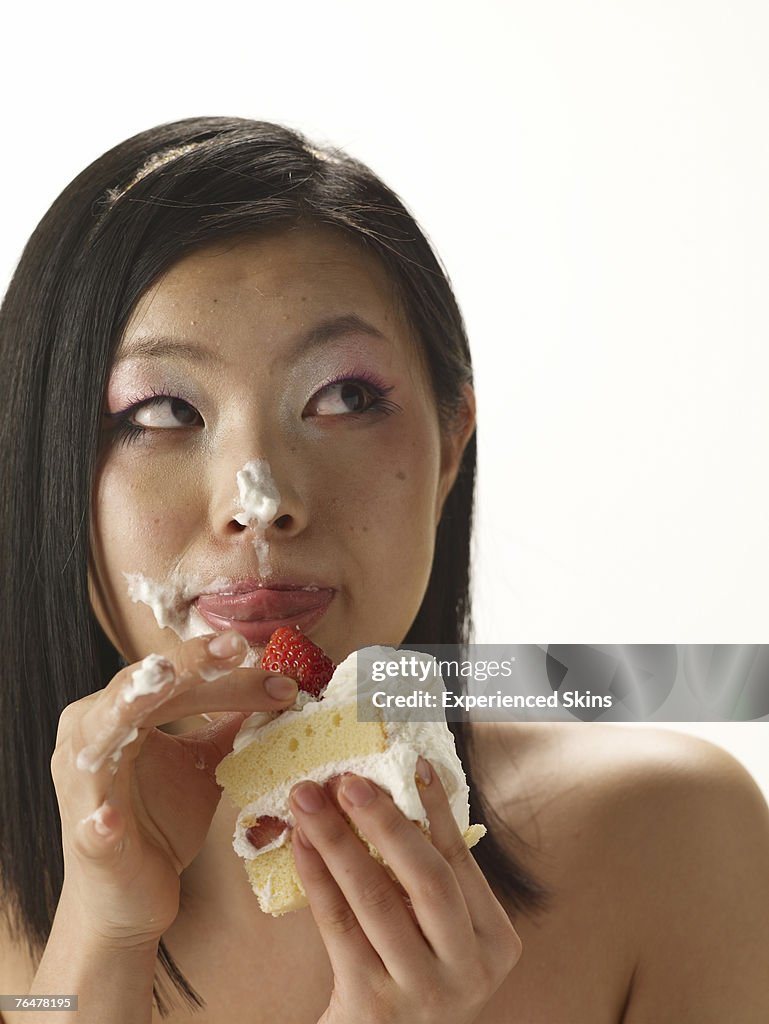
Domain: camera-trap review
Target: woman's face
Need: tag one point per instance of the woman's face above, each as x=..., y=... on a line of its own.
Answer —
x=286, y=350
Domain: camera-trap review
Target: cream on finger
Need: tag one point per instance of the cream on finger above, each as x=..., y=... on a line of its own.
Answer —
x=100, y=819
x=92, y=758
x=152, y=676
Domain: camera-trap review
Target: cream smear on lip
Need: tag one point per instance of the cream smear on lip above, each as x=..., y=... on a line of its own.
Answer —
x=171, y=601
x=259, y=499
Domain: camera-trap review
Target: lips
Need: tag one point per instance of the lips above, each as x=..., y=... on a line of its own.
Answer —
x=258, y=612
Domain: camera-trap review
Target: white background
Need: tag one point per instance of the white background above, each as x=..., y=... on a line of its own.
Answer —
x=595, y=176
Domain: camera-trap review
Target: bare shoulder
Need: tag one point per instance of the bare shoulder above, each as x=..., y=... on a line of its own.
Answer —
x=588, y=771
x=671, y=831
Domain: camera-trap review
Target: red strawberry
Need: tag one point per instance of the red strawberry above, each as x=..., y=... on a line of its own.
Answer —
x=265, y=830
x=290, y=653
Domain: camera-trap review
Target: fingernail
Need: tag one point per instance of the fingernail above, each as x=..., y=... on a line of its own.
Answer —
x=357, y=791
x=227, y=644
x=280, y=688
x=424, y=773
x=332, y=785
x=309, y=797
x=303, y=840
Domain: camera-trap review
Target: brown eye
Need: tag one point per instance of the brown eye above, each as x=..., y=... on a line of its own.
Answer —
x=164, y=412
x=349, y=396
x=340, y=398
x=352, y=396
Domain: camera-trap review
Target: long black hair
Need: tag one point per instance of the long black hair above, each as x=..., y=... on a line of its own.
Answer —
x=114, y=230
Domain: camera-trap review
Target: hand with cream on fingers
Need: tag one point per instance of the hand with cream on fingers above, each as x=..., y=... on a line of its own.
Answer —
x=439, y=959
x=135, y=802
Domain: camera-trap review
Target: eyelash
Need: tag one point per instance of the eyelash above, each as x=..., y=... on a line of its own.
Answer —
x=377, y=389
x=126, y=433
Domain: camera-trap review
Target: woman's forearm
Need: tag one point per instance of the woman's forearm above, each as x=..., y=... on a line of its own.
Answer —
x=112, y=983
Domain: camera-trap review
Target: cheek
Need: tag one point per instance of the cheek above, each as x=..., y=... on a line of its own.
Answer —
x=387, y=496
x=136, y=524
x=136, y=527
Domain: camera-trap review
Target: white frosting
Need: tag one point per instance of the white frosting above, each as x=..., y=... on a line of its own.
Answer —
x=151, y=676
x=259, y=500
x=97, y=817
x=250, y=728
x=212, y=673
x=154, y=673
x=171, y=604
x=92, y=758
x=171, y=600
x=264, y=892
x=257, y=493
x=394, y=770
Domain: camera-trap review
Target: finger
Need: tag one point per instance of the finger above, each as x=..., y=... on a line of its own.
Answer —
x=436, y=896
x=103, y=829
x=364, y=884
x=351, y=954
x=242, y=689
x=112, y=722
x=94, y=736
x=95, y=819
x=108, y=728
x=210, y=680
x=157, y=692
x=485, y=911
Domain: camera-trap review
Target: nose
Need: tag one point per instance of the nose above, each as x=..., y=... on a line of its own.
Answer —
x=260, y=502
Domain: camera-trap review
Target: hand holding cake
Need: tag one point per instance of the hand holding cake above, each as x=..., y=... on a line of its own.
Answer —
x=318, y=739
x=434, y=958
x=315, y=828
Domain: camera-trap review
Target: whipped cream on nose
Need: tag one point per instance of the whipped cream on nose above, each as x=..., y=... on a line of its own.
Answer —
x=259, y=499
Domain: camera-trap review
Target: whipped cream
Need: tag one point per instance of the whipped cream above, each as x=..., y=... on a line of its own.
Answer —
x=154, y=673
x=171, y=600
x=151, y=676
x=259, y=500
x=92, y=758
x=171, y=603
x=97, y=817
x=394, y=770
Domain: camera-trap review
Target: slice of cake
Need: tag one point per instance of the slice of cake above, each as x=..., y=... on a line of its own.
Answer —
x=319, y=738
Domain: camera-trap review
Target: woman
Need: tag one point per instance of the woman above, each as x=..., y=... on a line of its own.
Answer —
x=215, y=292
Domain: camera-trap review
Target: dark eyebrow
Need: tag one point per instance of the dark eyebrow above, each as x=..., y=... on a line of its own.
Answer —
x=158, y=347
x=335, y=327
x=323, y=332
